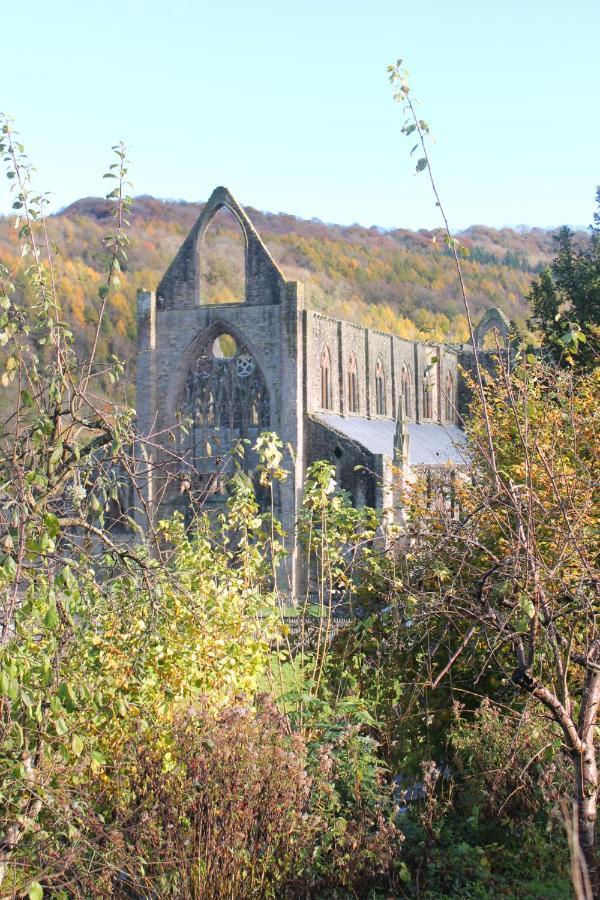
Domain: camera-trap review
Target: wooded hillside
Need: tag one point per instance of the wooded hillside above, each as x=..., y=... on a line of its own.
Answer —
x=400, y=281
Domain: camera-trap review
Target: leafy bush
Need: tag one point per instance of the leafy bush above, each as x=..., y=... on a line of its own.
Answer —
x=240, y=807
x=513, y=765
x=360, y=849
x=225, y=813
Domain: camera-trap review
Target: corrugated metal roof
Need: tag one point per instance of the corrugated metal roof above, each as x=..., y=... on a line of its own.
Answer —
x=429, y=445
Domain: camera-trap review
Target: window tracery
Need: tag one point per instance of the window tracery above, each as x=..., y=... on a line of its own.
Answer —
x=226, y=391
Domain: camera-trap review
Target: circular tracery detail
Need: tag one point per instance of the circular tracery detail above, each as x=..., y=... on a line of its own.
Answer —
x=245, y=365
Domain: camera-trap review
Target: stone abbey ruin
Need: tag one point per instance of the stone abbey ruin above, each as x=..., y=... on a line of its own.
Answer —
x=371, y=403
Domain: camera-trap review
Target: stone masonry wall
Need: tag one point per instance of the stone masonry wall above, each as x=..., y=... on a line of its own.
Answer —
x=344, y=338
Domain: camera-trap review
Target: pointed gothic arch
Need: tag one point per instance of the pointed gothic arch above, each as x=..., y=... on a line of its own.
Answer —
x=493, y=321
x=224, y=396
x=380, y=391
x=353, y=400
x=180, y=285
x=406, y=389
x=222, y=258
x=326, y=385
x=226, y=392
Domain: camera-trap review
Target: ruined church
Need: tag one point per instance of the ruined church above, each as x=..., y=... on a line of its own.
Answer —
x=367, y=401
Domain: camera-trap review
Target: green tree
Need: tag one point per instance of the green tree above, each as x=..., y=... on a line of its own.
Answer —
x=517, y=575
x=565, y=299
x=512, y=585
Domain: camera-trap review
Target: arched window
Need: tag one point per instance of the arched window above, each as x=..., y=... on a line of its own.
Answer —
x=326, y=399
x=380, y=404
x=405, y=386
x=428, y=390
x=352, y=384
x=225, y=389
x=449, y=398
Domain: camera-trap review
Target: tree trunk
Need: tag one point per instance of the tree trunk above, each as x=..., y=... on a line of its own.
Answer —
x=581, y=738
x=586, y=769
x=586, y=799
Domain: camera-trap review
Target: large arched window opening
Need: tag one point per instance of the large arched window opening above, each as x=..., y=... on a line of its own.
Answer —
x=326, y=394
x=449, y=398
x=352, y=384
x=380, y=398
x=223, y=260
x=405, y=387
x=225, y=391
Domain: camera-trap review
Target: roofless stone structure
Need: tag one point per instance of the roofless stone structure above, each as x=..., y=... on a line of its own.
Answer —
x=330, y=389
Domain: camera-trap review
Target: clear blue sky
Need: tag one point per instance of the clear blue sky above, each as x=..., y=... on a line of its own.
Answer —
x=287, y=103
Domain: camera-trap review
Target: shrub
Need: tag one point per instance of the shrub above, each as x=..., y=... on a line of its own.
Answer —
x=238, y=808
x=228, y=817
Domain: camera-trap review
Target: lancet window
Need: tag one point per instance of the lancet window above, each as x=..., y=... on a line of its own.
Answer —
x=428, y=391
x=352, y=384
x=380, y=399
x=405, y=385
x=326, y=395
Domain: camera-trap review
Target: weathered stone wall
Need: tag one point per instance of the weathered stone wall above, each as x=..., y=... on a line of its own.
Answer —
x=173, y=325
x=344, y=338
x=345, y=455
x=181, y=283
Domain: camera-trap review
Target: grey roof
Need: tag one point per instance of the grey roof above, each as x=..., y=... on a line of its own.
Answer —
x=429, y=445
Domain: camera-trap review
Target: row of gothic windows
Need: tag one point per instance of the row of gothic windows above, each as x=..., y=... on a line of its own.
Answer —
x=352, y=382
x=429, y=381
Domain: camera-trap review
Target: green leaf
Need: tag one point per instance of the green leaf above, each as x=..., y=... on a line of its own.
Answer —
x=51, y=619
x=9, y=566
x=61, y=727
x=36, y=891
x=4, y=684
x=26, y=398
x=98, y=760
x=56, y=456
x=527, y=605
x=51, y=522
x=77, y=744
x=403, y=873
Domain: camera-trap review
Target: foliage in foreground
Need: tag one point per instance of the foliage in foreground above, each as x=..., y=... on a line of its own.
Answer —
x=505, y=598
